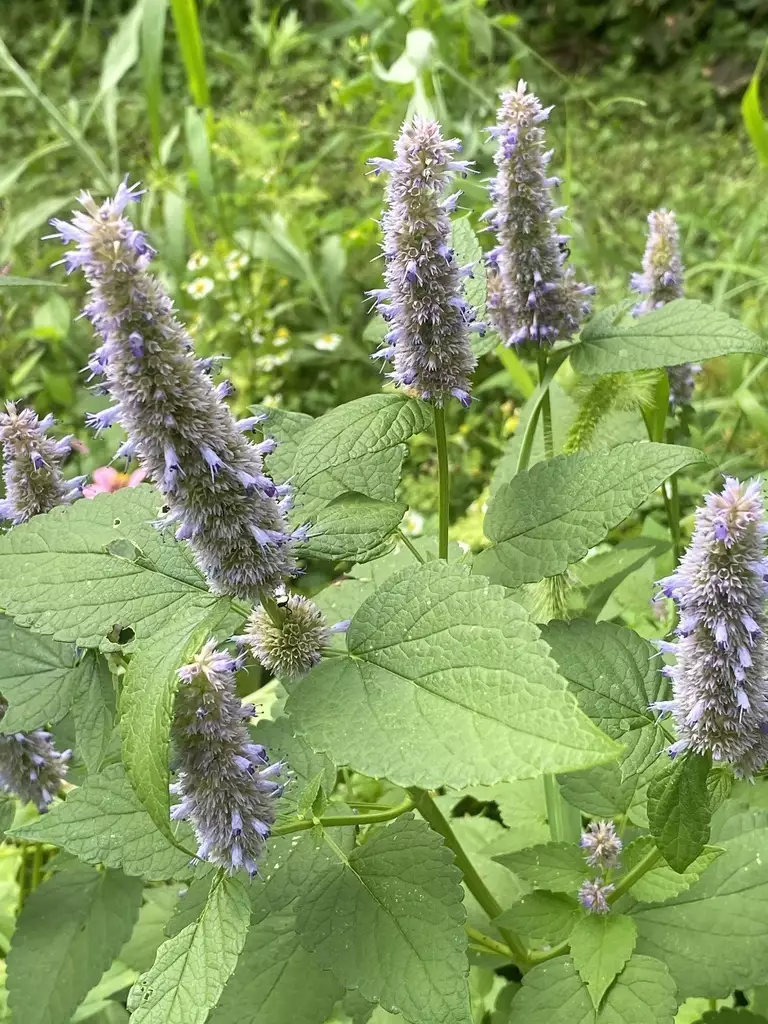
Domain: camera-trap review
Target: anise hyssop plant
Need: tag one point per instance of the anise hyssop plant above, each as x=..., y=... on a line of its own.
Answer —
x=269, y=760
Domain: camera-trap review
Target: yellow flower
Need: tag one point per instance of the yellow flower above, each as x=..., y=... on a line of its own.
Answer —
x=282, y=337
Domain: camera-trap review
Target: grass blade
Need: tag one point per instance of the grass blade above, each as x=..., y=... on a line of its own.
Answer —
x=152, y=38
x=68, y=131
x=191, y=45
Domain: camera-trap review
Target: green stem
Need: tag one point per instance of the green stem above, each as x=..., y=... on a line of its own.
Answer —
x=674, y=512
x=337, y=820
x=554, y=363
x=37, y=867
x=564, y=819
x=489, y=944
x=444, y=483
x=432, y=814
x=624, y=884
x=275, y=613
x=546, y=408
x=411, y=547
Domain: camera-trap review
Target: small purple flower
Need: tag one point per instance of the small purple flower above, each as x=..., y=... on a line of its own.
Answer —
x=226, y=784
x=720, y=679
x=660, y=282
x=593, y=893
x=33, y=479
x=31, y=768
x=429, y=320
x=211, y=476
x=294, y=647
x=533, y=297
x=601, y=844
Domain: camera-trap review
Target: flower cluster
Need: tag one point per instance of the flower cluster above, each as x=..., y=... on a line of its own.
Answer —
x=533, y=296
x=226, y=783
x=720, y=679
x=31, y=768
x=430, y=321
x=601, y=848
x=662, y=281
x=291, y=644
x=211, y=476
x=33, y=479
x=593, y=895
x=601, y=845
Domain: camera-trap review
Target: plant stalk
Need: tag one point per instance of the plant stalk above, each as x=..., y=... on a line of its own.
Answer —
x=411, y=546
x=444, y=483
x=564, y=819
x=546, y=408
x=432, y=814
x=337, y=820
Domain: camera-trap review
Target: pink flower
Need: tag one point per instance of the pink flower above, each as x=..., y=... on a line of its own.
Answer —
x=106, y=479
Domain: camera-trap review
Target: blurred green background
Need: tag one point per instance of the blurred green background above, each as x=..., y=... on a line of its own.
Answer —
x=250, y=124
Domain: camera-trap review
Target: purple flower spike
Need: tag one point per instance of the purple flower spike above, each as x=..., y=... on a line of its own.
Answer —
x=592, y=895
x=183, y=434
x=533, y=298
x=660, y=282
x=33, y=479
x=224, y=780
x=31, y=768
x=430, y=321
x=720, y=680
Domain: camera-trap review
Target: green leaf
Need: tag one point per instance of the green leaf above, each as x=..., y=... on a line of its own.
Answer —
x=276, y=978
x=356, y=447
x=65, y=573
x=352, y=527
x=679, y=810
x=93, y=710
x=149, y=931
x=436, y=652
x=542, y=918
x=191, y=968
x=601, y=944
x=103, y=822
x=553, y=993
x=67, y=935
x=683, y=331
x=482, y=839
x=613, y=672
x=280, y=738
x=663, y=882
x=713, y=936
x=387, y=918
x=558, y=867
x=146, y=708
x=37, y=677
x=551, y=515
x=287, y=428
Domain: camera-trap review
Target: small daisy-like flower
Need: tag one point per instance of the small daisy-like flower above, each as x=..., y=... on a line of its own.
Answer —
x=272, y=401
x=271, y=362
x=413, y=523
x=257, y=337
x=327, y=342
x=200, y=287
x=235, y=316
x=593, y=893
x=234, y=264
x=106, y=480
x=197, y=261
x=282, y=337
x=601, y=845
